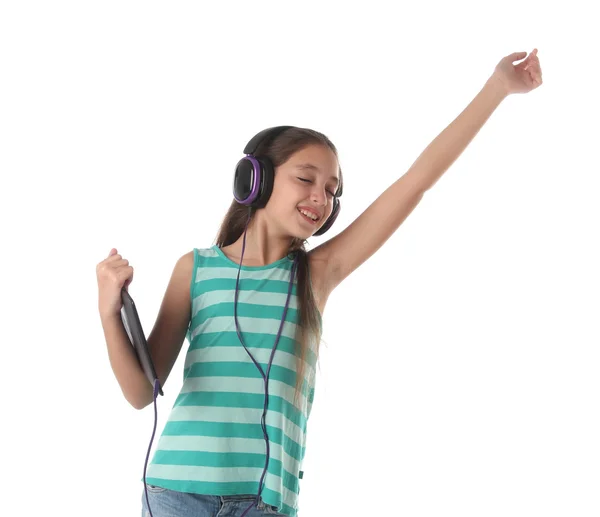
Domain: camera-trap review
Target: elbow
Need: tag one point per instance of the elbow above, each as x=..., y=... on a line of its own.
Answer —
x=139, y=400
x=137, y=405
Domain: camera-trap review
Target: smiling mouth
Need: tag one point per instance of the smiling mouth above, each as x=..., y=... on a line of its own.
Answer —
x=313, y=221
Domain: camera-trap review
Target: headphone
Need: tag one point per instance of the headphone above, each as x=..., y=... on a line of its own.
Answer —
x=255, y=175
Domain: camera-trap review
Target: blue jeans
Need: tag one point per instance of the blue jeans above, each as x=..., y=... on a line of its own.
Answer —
x=169, y=503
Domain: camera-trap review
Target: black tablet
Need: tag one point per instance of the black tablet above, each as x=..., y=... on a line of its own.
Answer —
x=133, y=326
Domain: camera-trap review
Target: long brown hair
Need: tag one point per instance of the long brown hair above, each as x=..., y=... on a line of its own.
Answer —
x=308, y=328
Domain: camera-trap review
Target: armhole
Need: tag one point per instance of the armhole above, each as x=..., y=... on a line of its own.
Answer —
x=188, y=334
x=193, y=279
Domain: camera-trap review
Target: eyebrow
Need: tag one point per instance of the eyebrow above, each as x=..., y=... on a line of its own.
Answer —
x=311, y=167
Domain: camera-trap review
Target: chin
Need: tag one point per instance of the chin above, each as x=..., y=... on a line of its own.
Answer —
x=302, y=233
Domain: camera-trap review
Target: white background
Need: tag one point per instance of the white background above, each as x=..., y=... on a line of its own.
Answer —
x=460, y=370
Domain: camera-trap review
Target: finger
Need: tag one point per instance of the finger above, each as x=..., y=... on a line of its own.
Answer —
x=119, y=263
x=128, y=279
x=535, y=80
x=536, y=61
x=536, y=69
x=529, y=61
x=533, y=57
x=115, y=257
x=112, y=252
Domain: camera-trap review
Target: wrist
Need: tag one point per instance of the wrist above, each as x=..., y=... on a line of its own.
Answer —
x=497, y=87
x=109, y=317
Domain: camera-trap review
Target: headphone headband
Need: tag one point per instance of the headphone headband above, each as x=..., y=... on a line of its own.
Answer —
x=257, y=139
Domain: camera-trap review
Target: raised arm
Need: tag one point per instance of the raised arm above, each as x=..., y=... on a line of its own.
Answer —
x=345, y=252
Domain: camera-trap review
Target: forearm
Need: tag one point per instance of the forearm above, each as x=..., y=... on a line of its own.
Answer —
x=124, y=362
x=443, y=151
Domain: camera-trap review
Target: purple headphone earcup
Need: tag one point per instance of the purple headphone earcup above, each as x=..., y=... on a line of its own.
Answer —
x=253, y=181
x=331, y=219
x=246, y=181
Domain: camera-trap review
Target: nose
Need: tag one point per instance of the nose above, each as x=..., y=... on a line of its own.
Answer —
x=319, y=196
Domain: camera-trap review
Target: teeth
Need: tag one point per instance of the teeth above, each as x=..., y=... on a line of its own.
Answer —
x=308, y=214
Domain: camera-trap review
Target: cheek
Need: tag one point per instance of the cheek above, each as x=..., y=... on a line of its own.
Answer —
x=286, y=195
x=281, y=203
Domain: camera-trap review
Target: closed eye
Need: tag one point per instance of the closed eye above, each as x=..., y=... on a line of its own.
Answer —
x=310, y=181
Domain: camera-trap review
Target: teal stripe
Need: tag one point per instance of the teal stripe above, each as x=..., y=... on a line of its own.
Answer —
x=234, y=430
x=249, y=370
x=227, y=460
x=268, y=328
x=224, y=414
x=208, y=298
x=252, y=340
x=240, y=369
x=286, y=510
x=218, y=354
x=217, y=445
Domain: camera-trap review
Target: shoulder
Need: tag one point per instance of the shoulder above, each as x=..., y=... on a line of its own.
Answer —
x=183, y=269
x=186, y=261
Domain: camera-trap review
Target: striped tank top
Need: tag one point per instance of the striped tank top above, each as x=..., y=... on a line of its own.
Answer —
x=213, y=442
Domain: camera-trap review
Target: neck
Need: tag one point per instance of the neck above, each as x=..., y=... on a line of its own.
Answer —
x=263, y=245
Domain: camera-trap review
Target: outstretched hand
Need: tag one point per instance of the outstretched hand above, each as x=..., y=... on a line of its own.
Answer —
x=521, y=78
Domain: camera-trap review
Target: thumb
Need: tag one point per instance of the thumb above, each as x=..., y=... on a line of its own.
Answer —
x=515, y=56
x=112, y=252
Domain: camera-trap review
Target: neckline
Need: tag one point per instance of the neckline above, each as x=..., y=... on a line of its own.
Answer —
x=251, y=268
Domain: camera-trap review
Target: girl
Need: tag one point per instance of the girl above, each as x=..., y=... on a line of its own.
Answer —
x=250, y=307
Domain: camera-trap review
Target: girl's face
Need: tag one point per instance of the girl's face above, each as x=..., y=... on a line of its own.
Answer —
x=307, y=182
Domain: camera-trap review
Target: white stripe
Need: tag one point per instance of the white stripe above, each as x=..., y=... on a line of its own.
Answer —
x=211, y=273
x=207, y=252
x=239, y=416
x=225, y=445
x=218, y=354
x=219, y=474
